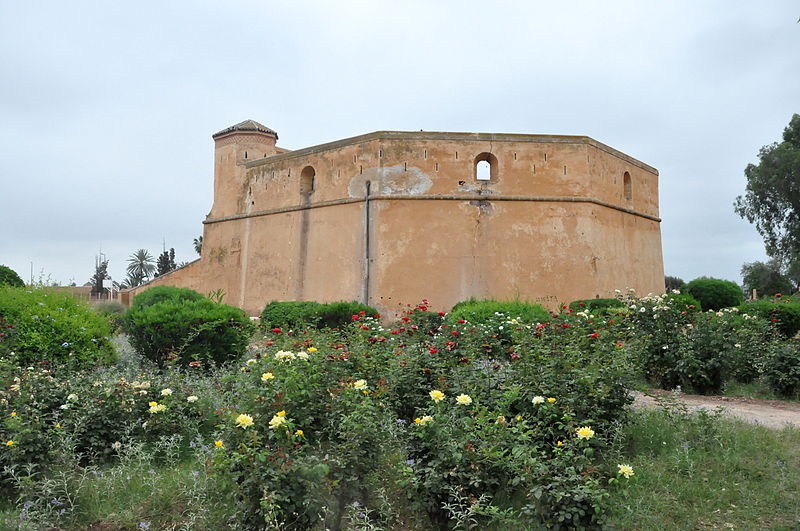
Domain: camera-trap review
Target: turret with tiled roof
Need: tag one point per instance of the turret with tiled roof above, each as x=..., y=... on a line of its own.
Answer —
x=247, y=125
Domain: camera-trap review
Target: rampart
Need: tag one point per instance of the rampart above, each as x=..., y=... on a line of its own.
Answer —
x=393, y=217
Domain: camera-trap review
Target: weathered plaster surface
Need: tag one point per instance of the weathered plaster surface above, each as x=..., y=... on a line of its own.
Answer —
x=552, y=225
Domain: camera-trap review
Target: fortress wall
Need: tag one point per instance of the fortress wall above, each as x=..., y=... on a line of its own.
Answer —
x=552, y=225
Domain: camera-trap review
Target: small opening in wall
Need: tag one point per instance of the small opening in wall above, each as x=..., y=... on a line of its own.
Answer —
x=456, y=155
x=425, y=154
x=265, y=155
x=361, y=169
x=405, y=166
x=545, y=157
x=534, y=169
x=307, y=180
x=354, y=159
x=515, y=156
x=486, y=167
x=565, y=170
x=436, y=166
x=627, y=185
x=462, y=183
x=483, y=171
x=245, y=154
x=380, y=153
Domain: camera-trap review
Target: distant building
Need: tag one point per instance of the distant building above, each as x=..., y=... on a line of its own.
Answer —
x=394, y=217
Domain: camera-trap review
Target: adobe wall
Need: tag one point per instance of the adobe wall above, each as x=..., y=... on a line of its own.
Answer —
x=552, y=225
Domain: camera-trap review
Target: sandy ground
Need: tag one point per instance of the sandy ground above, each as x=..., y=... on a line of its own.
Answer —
x=769, y=413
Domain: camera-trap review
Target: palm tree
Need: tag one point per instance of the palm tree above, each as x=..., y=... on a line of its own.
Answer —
x=141, y=265
x=198, y=244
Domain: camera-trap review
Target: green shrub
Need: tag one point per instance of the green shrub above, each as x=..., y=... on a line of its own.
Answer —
x=684, y=302
x=188, y=330
x=9, y=277
x=781, y=366
x=784, y=313
x=715, y=294
x=335, y=314
x=291, y=314
x=482, y=311
x=595, y=304
x=54, y=327
x=308, y=314
x=158, y=294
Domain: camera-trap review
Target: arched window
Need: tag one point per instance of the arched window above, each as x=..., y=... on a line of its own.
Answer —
x=307, y=180
x=485, y=167
x=626, y=183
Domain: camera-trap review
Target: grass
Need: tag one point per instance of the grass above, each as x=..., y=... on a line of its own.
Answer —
x=700, y=471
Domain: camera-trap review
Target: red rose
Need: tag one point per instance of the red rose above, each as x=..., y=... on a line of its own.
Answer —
x=276, y=330
x=441, y=314
x=433, y=350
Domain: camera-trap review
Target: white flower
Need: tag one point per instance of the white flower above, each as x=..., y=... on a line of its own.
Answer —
x=284, y=355
x=192, y=398
x=538, y=400
x=302, y=355
x=116, y=445
x=360, y=385
x=166, y=392
x=63, y=406
x=252, y=361
x=72, y=397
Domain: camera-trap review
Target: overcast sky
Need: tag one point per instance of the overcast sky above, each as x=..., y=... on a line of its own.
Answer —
x=107, y=108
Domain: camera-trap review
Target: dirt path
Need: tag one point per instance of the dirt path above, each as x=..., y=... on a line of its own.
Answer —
x=769, y=413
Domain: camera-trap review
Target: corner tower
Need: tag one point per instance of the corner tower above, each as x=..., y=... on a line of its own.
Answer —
x=233, y=147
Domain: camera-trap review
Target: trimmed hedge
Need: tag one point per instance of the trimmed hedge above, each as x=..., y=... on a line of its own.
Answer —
x=48, y=326
x=685, y=302
x=596, y=304
x=715, y=294
x=785, y=314
x=158, y=294
x=186, y=331
x=483, y=311
x=305, y=314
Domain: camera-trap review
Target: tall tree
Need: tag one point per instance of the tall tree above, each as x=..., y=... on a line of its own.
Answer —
x=198, y=244
x=141, y=266
x=766, y=278
x=166, y=262
x=772, y=196
x=100, y=274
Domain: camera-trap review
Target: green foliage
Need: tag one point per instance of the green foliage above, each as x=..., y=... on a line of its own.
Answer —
x=772, y=196
x=185, y=330
x=159, y=294
x=166, y=262
x=52, y=327
x=784, y=312
x=297, y=315
x=480, y=311
x=674, y=283
x=595, y=304
x=715, y=294
x=781, y=367
x=766, y=278
x=684, y=302
x=9, y=277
